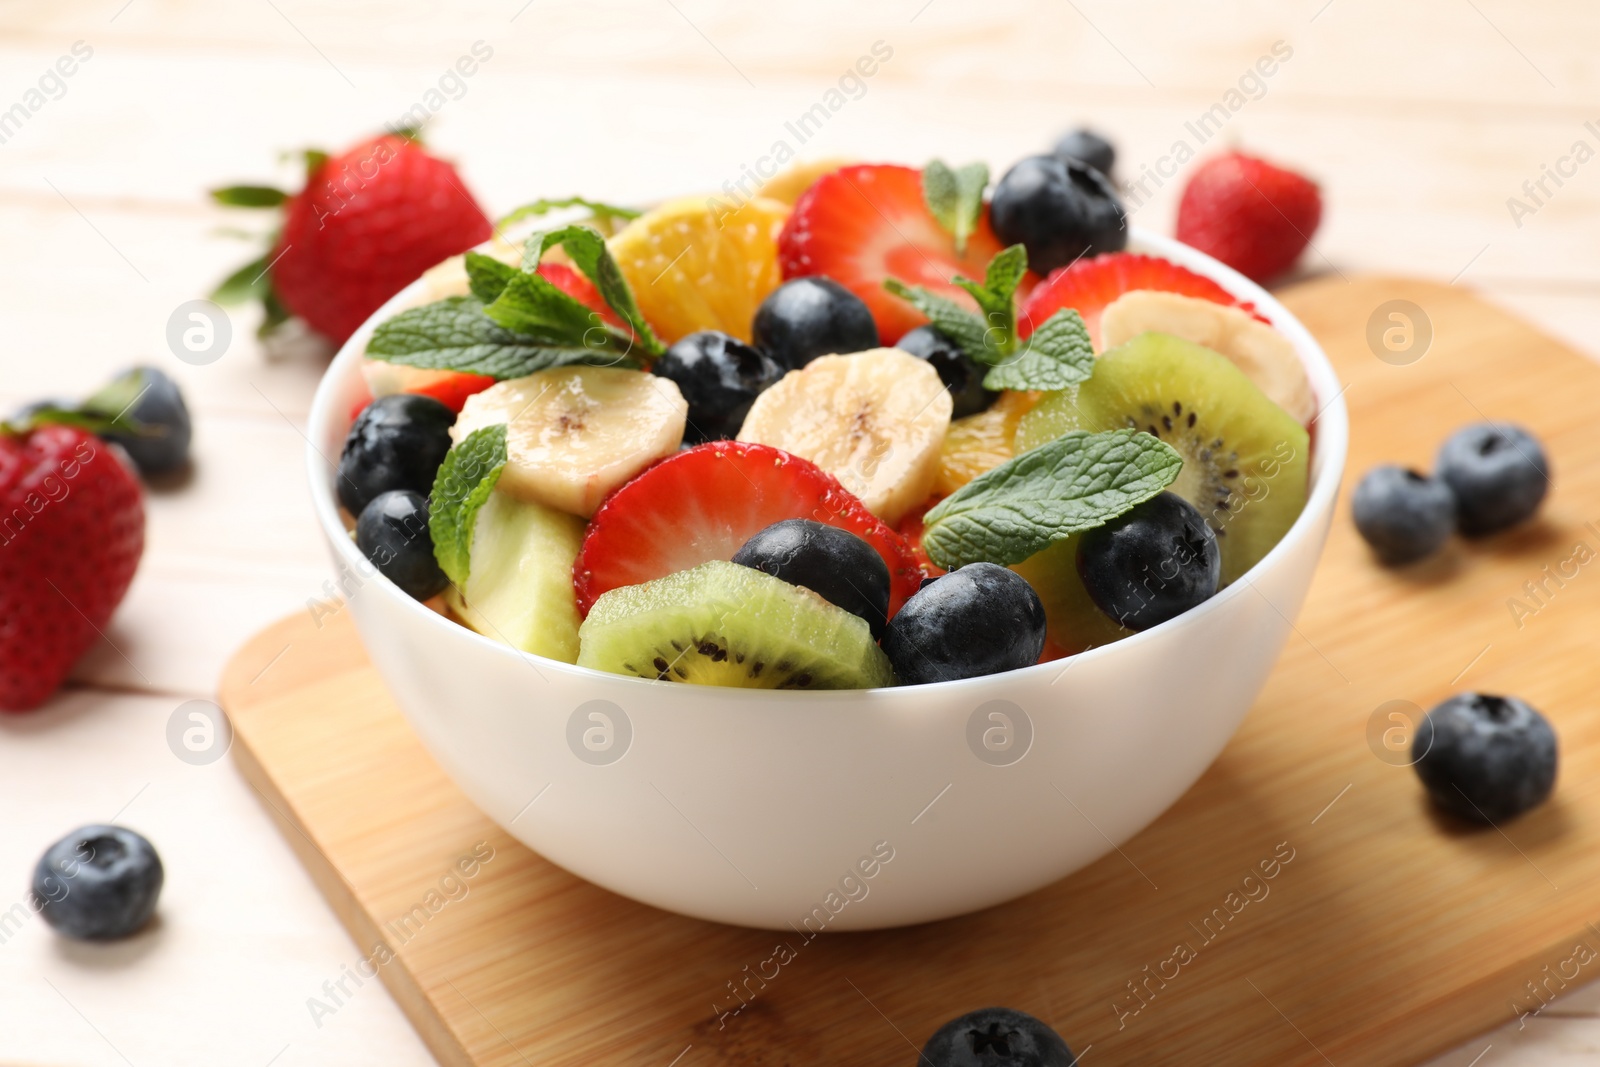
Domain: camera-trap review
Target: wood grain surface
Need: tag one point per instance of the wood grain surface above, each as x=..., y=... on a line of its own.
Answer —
x=1300, y=905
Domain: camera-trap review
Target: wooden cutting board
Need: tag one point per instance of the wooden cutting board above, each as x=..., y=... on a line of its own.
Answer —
x=1383, y=935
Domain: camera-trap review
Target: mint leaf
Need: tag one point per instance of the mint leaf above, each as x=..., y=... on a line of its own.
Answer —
x=955, y=197
x=455, y=334
x=995, y=297
x=488, y=276
x=603, y=213
x=464, y=481
x=1056, y=355
x=1075, y=483
x=591, y=256
x=249, y=196
x=530, y=304
x=948, y=317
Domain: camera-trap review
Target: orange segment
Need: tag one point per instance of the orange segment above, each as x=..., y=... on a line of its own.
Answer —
x=980, y=442
x=699, y=264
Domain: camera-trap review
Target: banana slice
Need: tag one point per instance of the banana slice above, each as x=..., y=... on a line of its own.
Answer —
x=449, y=277
x=1255, y=348
x=576, y=433
x=874, y=420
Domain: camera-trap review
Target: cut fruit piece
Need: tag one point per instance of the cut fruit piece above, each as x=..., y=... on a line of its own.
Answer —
x=875, y=420
x=981, y=442
x=727, y=625
x=450, y=388
x=705, y=502
x=519, y=588
x=699, y=264
x=865, y=224
x=1264, y=354
x=1245, y=460
x=1089, y=285
x=573, y=434
x=790, y=185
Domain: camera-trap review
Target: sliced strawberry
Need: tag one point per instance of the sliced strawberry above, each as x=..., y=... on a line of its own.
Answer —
x=705, y=502
x=864, y=224
x=451, y=388
x=1089, y=285
x=910, y=528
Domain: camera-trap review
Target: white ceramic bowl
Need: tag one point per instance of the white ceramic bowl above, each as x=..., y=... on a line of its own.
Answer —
x=843, y=810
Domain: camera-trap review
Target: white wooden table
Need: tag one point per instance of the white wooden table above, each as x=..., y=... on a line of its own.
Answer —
x=1421, y=120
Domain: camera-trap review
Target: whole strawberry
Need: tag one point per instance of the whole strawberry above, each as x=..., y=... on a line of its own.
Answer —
x=367, y=223
x=71, y=533
x=1253, y=216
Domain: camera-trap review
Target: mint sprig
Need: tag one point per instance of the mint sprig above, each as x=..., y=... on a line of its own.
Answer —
x=1077, y=482
x=464, y=481
x=607, y=215
x=1058, y=353
x=457, y=334
x=955, y=197
x=517, y=322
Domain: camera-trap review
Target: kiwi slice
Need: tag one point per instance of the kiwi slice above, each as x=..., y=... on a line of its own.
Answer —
x=724, y=624
x=1073, y=622
x=519, y=587
x=1245, y=460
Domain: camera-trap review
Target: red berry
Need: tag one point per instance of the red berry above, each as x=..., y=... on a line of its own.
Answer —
x=71, y=532
x=1253, y=216
x=1089, y=285
x=367, y=224
x=705, y=502
x=864, y=224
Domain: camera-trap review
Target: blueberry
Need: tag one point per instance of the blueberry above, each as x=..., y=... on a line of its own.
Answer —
x=98, y=883
x=1499, y=474
x=397, y=442
x=809, y=317
x=996, y=1037
x=1090, y=147
x=1151, y=563
x=962, y=377
x=720, y=377
x=1061, y=210
x=392, y=532
x=1485, y=758
x=833, y=563
x=151, y=405
x=1404, y=516
x=980, y=619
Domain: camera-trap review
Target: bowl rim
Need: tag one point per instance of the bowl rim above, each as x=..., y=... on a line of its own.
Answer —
x=1332, y=431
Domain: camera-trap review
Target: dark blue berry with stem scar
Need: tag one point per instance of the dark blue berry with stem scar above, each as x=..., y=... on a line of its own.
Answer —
x=1090, y=147
x=833, y=563
x=397, y=442
x=1152, y=563
x=98, y=883
x=720, y=377
x=996, y=1037
x=961, y=376
x=809, y=317
x=979, y=619
x=151, y=420
x=1485, y=758
x=392, y=532
x=1403, y=515
x=1499, y=474
x=1060, y=210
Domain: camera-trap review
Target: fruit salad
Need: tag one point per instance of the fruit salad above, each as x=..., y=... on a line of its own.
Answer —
x=874, y=425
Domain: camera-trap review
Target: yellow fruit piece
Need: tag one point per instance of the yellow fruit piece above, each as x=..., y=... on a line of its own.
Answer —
x=980, y=442
x=701, y=264
x=787, y=186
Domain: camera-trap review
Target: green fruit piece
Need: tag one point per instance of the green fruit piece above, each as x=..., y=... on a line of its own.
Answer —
x=1074, y=624
x=1245, y=460
x=724, y=624
x=519, y=586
